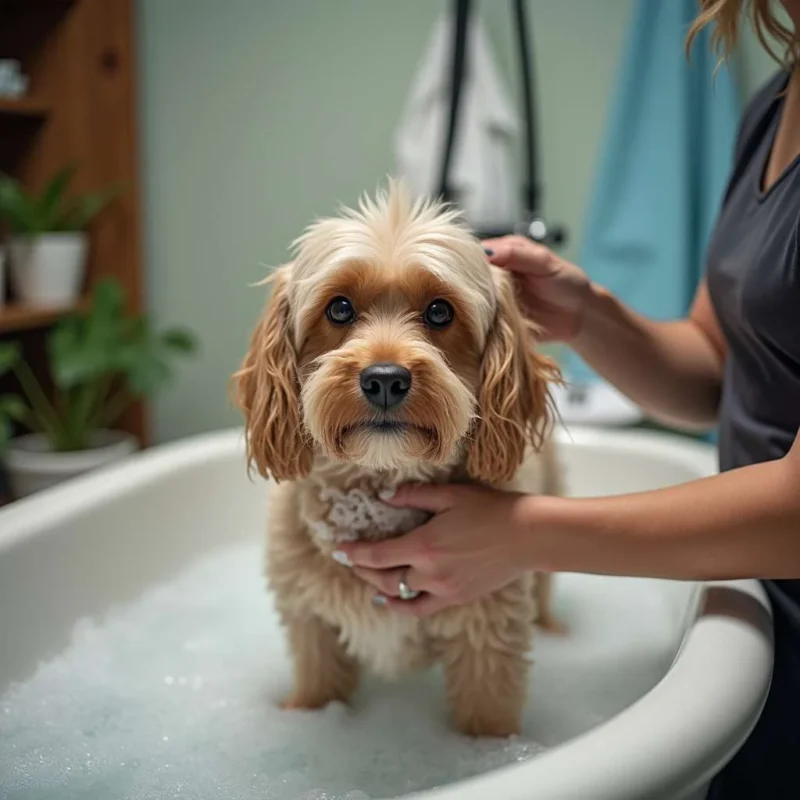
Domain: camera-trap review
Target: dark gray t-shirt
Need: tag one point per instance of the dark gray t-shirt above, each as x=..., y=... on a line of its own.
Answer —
x=754, y=281
x=753, y=274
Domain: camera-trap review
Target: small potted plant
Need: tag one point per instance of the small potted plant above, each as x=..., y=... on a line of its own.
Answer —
x=101, y=361
x=48, y=242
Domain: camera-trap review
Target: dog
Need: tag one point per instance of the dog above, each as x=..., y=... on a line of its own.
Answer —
x=390, y=351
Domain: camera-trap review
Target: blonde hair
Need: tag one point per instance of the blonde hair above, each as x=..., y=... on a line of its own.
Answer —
x=725, y=15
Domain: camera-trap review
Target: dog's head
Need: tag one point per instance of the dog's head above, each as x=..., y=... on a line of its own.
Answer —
x=390, y=342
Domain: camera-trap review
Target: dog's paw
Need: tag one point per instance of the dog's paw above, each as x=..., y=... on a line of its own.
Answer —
x=300, y=702
x=497, y=728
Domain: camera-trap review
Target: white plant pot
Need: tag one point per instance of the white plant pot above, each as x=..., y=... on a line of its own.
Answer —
x=33, y=466
x=48, y=270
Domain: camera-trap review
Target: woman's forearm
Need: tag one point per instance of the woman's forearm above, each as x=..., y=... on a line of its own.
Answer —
x=670, y=369
x=741, y=524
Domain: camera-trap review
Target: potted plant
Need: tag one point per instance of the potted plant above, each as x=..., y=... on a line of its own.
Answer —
x=48, y=242
x=101, y=361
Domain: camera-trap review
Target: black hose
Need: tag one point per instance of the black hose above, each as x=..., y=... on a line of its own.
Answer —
x=462, y=8
x=531, y=197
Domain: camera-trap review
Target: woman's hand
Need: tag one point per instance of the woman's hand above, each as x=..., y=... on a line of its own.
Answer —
x=553, y=291
x=473, y=545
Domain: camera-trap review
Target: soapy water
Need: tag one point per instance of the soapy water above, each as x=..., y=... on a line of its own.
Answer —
x=175, y=696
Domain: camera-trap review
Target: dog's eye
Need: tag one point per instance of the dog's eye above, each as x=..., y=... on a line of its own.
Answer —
x=439, y=314
x=340, y=311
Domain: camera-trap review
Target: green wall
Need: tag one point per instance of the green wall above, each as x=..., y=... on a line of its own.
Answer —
x=257, y=115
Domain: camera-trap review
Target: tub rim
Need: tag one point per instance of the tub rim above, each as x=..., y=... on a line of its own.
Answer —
x=729, y=634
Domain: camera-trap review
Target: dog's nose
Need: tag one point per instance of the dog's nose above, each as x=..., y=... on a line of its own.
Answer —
x=385, y=385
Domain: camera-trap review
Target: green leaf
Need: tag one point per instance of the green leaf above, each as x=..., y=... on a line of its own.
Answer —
x=9, y=353
x=180, y=340
x=84, y=209
x=53, y=194
x=5, y=432
x=85, y=347
x=108, y=304
x=13, y=406
x=17, y=208
x=146, y=372
x=69, y=360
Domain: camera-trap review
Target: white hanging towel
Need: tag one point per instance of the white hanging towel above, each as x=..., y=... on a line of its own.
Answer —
x=482, y=165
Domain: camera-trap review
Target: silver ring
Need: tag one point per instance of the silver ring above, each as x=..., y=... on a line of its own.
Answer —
x=404, y=591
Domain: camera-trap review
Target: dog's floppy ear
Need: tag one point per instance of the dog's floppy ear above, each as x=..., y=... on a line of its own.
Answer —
x=513, y=399
x=268, y=393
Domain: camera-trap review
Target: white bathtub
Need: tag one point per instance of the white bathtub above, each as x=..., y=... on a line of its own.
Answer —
x=101, y=540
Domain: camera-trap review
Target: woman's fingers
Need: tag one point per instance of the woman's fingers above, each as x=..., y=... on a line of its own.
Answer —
x=387, y=586
x=499, y=251
x=399, y=552
x=431, y=497
x=518, y=254
x=387, y=581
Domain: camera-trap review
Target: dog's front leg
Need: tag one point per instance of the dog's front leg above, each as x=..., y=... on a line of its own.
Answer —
x=486, y=688
x=484, y=648
x=323, y=672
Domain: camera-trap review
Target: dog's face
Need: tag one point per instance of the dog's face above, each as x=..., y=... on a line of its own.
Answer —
x=390, y=342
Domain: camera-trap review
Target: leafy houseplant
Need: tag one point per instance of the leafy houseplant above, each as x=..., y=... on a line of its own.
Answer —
x=48, y=244
x=101, y=361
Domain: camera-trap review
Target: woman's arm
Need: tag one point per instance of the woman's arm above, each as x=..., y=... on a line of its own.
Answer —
x=741, y=524
x=673, y=370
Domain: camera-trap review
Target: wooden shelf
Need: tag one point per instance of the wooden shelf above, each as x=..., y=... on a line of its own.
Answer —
x=81, y=59
x=27, y=107
x=17, y=317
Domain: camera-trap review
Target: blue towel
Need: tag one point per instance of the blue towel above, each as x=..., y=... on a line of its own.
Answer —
x=663, y=167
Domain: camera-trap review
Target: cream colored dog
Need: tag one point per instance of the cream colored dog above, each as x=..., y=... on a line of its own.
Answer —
x=391, y=351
